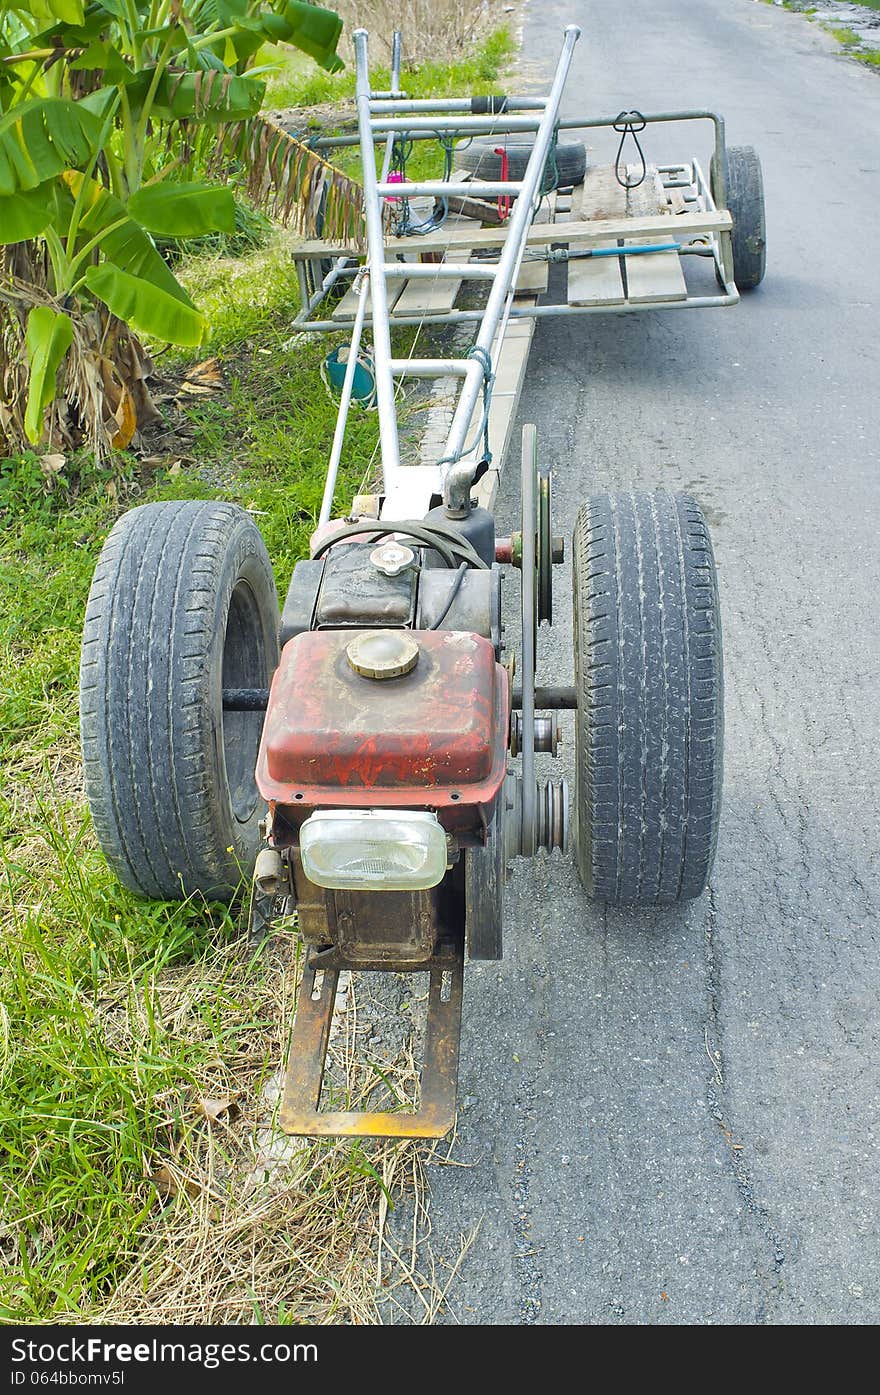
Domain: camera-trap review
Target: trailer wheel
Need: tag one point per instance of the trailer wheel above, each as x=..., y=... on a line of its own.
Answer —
x=745, y=201
x=480, y=158
x=649, y=721
x=182, y=604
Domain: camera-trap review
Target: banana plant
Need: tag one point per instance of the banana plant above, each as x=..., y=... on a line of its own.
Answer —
x=100, y=101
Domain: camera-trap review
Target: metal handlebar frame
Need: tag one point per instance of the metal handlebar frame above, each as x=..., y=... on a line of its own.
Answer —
x=371, y=122
x=389, y=114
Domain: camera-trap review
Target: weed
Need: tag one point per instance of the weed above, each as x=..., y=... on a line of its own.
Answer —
x=848, y=37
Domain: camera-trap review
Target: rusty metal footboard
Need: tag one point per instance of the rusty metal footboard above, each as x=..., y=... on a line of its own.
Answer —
x=300, y=1105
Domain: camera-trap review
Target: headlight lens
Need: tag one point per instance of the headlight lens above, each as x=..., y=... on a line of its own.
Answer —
x=371, y=850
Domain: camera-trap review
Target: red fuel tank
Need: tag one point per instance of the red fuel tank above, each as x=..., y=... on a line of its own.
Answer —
x=435, y=737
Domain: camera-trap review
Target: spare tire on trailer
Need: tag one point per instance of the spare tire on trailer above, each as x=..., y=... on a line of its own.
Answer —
x=182, y=604
x=650, y=711
x=480, y=159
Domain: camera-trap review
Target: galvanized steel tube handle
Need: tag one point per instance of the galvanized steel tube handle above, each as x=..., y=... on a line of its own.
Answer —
x=459, y=475
x=390, y=446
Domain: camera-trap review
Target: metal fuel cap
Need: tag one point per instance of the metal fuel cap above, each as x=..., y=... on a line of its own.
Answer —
x=392, y=558
x=382, y=654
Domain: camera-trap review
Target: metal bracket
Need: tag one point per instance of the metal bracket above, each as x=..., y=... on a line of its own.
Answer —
x=300, y=1112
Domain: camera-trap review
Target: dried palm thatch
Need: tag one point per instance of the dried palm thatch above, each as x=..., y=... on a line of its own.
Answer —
x=294, y=184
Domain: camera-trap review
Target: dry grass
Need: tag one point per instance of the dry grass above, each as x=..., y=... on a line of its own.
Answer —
x=260, y=1227
x=434, y=31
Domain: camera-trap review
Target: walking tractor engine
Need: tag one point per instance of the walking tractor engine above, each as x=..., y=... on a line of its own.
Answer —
x=383, y=755
x=383, y=763
x=364, y=757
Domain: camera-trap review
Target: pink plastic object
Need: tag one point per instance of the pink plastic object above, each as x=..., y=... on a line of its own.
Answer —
x=395, y=177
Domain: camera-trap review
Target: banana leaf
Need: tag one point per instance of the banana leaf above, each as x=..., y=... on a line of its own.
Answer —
x=316, y=31
x=128, y=246
x=144, y=306
x=96, y=22
x=42, y=137
x=210, y=97
x=64, y=11
x=310, y=28
x=48, y=337
x=183, y=210
x=104, y=57
x=26, y=214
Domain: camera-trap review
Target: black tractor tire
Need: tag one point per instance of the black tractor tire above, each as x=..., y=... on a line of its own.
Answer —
x=745, y=202
x=650, y=715
x=182, y=604
x=483, y=163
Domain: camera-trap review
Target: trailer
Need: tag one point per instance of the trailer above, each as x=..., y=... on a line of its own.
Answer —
x=370, y=755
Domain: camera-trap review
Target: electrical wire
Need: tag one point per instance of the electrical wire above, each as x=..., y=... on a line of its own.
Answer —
x=453, y=592
x=404, y=225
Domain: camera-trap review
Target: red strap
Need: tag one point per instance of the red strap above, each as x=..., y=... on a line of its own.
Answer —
x=503, y=199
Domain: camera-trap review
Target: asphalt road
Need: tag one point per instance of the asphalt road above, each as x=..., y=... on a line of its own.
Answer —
x=673, y=1118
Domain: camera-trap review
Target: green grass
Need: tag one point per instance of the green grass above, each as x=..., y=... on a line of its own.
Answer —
x=848, y=37
x=98, y=1085
x=297, y=83
x=852, y=43
x=117, y=1015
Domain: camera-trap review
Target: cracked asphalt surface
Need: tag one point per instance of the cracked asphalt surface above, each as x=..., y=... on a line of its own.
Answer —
x=672, y=1118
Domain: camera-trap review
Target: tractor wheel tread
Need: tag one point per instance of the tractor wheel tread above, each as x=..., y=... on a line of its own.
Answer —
x=649, y=735
x=154, y=745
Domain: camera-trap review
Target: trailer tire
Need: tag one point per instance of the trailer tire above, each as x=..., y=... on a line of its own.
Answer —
x=745, y=202
x=182, y=602
x=483, y=163
x=650, y=716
